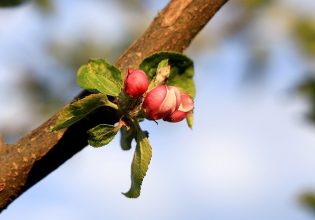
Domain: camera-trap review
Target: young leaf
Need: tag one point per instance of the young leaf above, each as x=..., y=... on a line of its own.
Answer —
x=77, y=110
x=162, y=74
x=126, y=138
x=101, y=76
x=140, y=164
x=101, y=135
x=182, y=69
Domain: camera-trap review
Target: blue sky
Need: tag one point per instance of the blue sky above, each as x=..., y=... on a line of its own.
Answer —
x=249, y=155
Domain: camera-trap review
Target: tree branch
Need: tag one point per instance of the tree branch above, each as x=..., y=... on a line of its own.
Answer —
x=40, y=152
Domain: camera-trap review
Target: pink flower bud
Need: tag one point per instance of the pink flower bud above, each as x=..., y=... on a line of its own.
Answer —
x=161, y=102
x=136, y=83
x=185, y=107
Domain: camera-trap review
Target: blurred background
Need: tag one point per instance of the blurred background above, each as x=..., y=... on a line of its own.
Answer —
x=251, y=153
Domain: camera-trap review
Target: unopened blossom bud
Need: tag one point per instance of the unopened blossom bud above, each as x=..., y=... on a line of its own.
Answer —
x=136, y=83
x=161, y=102
x=185, y=107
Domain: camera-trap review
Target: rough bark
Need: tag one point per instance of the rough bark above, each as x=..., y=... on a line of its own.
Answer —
x=40, y=152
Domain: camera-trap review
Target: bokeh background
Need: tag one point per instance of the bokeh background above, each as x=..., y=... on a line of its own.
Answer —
x=251, y=153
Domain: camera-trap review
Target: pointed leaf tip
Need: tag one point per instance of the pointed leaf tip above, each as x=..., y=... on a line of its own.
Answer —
x=140, y=164
x=77, y=110
x=190, y=120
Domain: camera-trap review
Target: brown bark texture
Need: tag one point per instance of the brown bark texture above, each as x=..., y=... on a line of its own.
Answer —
x=40, y=152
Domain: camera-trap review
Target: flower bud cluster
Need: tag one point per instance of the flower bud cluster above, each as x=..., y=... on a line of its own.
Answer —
x=163, y=102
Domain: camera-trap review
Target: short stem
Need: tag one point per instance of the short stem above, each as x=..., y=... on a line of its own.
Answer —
x=119, y=125
x=135, y=124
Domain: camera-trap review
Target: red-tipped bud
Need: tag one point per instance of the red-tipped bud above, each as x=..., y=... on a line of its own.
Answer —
x=136, y=83
x=185, y=107
x=161, y=102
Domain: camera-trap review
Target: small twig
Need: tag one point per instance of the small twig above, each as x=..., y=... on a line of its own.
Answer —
x=40, y=152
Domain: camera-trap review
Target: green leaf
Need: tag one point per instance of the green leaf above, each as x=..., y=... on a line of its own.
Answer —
x=77, y=110
x=182, y=69
x=102, y=134
x=101, y=76
x=126, y=138
x=140, y=164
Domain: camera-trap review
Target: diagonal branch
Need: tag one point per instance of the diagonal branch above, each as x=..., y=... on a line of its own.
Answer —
x=40, y=152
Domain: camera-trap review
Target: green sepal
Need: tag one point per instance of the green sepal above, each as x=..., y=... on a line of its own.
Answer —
x=182, y=69
x=99, y=75
x=140, y=163
x=102, y=134
x=77, y=110
x=190, y=119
